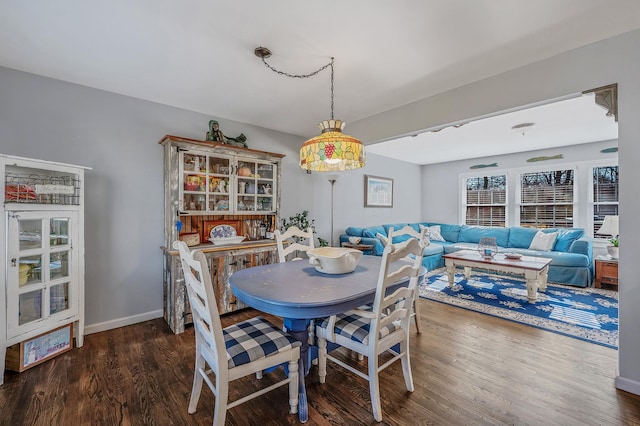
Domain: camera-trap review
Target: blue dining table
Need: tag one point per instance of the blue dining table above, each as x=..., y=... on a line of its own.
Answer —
x=298, y=293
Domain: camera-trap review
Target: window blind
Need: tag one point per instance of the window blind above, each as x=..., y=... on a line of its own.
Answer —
x=605, y=195
x=547, y=199
x=486, y=200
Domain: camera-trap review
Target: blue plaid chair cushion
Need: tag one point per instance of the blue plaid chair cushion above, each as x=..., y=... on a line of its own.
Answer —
x=254, y=339
x=357, y=328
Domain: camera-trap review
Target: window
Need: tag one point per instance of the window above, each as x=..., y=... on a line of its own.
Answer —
x=486, y=200
x=605, y=195
x=547, y=199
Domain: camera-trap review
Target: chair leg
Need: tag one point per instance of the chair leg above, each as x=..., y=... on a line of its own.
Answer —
x=406, y=365
x=220, y=414
x=322, y=359
x=312, y=338
x=374, y=388
x=416, y=314
x=197, y=385
x=293, y=386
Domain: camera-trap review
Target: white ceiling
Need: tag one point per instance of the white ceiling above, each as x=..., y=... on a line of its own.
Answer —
x=568, y=122
x=198, y=54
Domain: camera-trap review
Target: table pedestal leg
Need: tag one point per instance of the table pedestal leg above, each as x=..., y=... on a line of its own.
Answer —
x=299, y=328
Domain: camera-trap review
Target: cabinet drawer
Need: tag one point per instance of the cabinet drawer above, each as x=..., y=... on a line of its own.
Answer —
x=609, y=270
x=606, y=273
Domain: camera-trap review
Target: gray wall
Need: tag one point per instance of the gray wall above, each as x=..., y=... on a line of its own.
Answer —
x=117, y=136
x=615, y=60
x=349, y=196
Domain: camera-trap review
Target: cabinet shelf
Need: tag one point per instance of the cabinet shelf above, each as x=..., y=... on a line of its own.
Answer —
x=24, y=187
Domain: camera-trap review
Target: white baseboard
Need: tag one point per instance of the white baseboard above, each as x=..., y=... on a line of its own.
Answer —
x=121, y=322
x=628, y=385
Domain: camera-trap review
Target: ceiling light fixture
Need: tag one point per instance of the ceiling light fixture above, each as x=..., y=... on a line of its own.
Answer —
x=332, y=150
x=523, y=128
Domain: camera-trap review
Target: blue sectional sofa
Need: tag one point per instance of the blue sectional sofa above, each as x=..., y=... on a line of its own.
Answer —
x=571, y=256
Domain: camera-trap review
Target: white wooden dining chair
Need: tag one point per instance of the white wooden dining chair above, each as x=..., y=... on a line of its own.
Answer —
x=424, y=242
x=372, y=333
x=299, y=241
x=236, y=351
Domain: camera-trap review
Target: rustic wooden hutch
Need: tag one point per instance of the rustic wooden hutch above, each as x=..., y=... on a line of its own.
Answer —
x=209, y=184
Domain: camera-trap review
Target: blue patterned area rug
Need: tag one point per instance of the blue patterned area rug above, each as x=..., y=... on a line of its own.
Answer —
x=589, y=314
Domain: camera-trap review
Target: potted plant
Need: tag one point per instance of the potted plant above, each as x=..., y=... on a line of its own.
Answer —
x=613, y=249
x=302, y=221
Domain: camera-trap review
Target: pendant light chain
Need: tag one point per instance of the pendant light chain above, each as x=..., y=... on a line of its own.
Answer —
x=330, y=64
x=331, y=88
x=332, y=150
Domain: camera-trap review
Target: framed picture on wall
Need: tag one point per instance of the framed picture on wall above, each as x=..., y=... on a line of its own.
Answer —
x=378, y=191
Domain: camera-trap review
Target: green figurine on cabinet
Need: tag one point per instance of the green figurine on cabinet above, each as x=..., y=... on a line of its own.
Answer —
x=215, y=135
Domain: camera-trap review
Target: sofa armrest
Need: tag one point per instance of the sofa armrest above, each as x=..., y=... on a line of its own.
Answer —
x=378, y=248
x=583, y=245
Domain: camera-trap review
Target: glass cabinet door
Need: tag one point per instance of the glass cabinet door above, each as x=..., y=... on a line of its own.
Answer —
x=255, y=186
x=225, y=184
x=40, y=268
x=205, y=182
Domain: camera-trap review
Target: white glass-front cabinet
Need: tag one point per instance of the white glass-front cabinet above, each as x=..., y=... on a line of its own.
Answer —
x=42, y=250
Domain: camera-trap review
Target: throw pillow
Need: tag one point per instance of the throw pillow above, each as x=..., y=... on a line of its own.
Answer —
x=384, y=240
x=433, y=233
x=543, y=241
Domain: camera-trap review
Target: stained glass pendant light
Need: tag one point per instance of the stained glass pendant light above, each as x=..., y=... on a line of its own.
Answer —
x=332, y=150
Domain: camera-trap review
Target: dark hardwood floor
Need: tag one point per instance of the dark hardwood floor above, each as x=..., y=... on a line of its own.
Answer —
x=468, y=369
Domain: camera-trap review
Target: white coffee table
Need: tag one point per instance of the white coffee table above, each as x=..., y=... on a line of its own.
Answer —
x=534, y=269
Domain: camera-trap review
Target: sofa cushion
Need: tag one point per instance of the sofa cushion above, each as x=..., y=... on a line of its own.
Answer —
x=566, y=237
x=521, y=237
x=382, y=238
x=472, y=234
x=371, y=231
x=543, y=241
x=395, y=226
x=559, y=259
x=432, y=249
x=401, y=238
x=432, y=233
x=450, y=248
x=448, y=231
x=354, y=231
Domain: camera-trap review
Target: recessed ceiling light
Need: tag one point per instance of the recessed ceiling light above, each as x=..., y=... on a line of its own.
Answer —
x=523, y=128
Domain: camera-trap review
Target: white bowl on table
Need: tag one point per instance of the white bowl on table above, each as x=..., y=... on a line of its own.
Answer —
x=334, y=260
